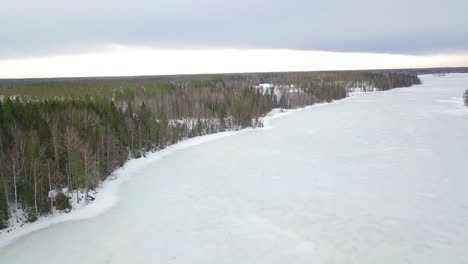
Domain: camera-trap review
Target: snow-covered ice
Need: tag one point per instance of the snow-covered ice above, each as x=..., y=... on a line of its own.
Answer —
x=375, y=178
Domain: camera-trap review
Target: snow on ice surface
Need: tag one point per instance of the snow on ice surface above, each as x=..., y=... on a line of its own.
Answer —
x=375, y=178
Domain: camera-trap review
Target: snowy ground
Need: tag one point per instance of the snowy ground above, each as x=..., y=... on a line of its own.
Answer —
x=376, y=178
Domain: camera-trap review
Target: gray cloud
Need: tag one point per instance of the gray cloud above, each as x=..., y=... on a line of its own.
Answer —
x=30, y=28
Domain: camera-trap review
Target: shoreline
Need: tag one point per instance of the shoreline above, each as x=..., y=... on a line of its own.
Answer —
x=107, y=192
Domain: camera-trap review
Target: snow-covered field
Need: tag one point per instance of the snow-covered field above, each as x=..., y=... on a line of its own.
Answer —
x=376, y=178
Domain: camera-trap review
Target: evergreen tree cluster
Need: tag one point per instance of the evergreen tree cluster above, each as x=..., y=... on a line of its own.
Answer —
x=62, y=136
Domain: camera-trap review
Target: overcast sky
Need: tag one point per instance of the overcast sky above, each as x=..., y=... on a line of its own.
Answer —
x=33, y=29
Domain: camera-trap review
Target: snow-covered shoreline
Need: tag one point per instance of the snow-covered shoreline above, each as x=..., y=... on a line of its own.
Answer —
x=107, y=196
x=107, y=192
x=365, y=178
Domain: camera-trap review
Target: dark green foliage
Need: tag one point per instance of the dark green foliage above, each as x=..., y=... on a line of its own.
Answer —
x=62, y=202
x=57, y=134
x=30, y=214
x=4, y=214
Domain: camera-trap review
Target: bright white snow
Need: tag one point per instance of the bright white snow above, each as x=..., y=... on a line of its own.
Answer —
x=376, y=178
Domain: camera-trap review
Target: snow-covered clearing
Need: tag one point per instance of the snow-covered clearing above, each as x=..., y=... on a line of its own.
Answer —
x=375, y=178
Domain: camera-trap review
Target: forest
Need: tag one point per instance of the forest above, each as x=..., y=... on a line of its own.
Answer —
x=64, y=136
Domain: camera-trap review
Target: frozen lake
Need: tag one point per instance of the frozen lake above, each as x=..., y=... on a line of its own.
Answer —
x=376, y=178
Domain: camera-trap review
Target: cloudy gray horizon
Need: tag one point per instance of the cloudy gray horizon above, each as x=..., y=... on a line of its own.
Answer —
x=48, y=27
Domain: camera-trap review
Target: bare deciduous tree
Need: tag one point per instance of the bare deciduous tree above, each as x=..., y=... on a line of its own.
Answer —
x=15, y=161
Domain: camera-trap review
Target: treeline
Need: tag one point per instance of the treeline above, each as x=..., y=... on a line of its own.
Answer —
x=59, y=137
x=465, y=98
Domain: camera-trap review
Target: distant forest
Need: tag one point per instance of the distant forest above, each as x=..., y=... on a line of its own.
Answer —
x=59, y=136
